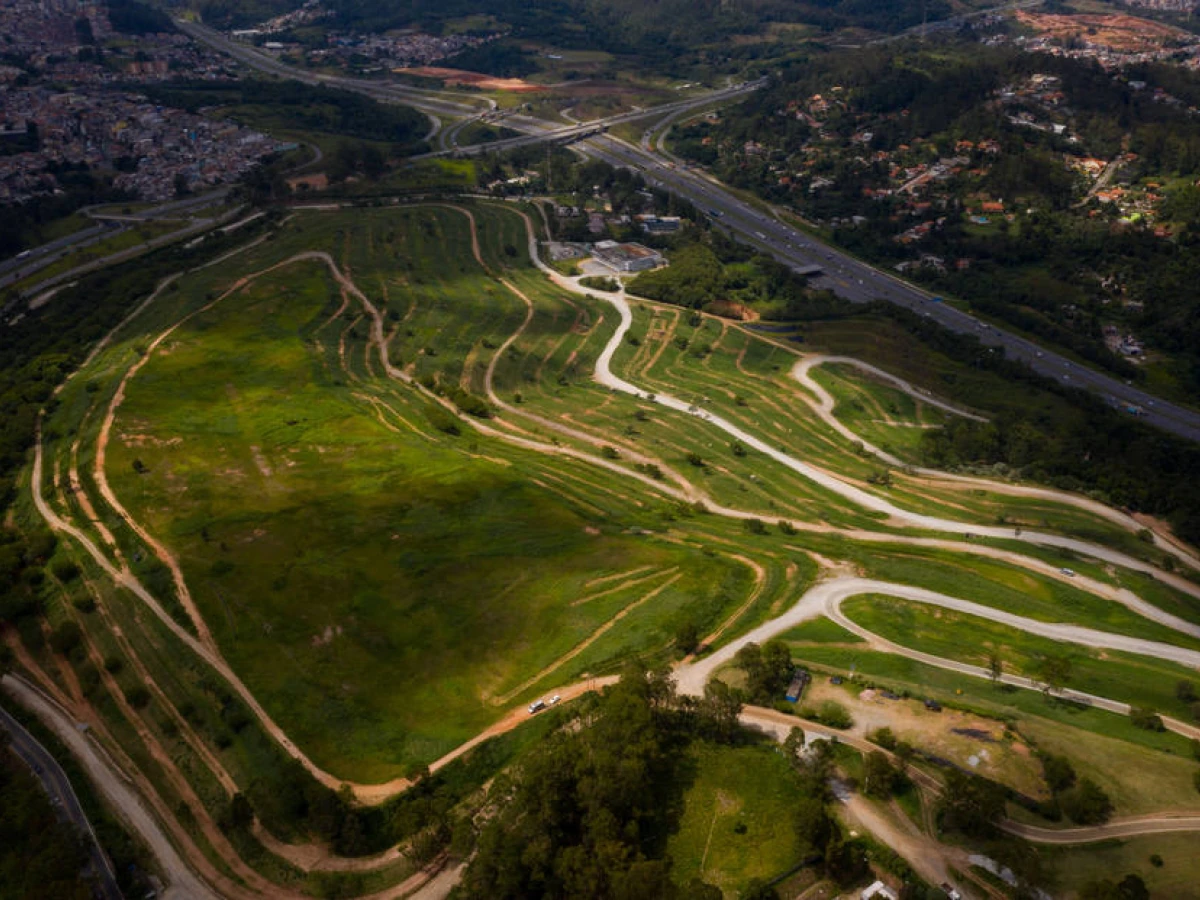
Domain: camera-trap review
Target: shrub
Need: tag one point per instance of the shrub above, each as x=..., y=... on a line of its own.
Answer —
x=1086, y=803
x=85, y=604
x=66, y=638
x=65, y=570
x=1058, y=771
x=137, y=696
x=884, y=737
x=1146, y=718
x=834, y=715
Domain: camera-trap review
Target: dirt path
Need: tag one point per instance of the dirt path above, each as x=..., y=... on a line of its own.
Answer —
x=824, y=407
x=377, y=793
x=825, y=599
x=1116, y=829
x=116, y=788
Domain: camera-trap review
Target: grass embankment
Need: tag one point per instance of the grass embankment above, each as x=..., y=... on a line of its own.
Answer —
x=385, y=588
x=746, y=378
x=1178, y=877
x=880, y=414
x=1138, y=680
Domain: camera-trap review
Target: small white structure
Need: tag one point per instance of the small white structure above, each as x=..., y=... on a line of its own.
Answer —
x=880, y=891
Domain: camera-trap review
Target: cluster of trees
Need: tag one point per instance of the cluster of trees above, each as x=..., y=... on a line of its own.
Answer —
x=669, y=35
x=39, y=855
x=709, y=271
x=1044, y=273
x=1081, y=800
x=291, y=104
x=768, y=670
x=134, y=17
x=588, y=812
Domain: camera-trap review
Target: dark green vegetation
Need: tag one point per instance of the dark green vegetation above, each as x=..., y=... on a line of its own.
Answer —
x=291, y=106
x=676, y=36
x=630, y=803
x=1058, y=268
x=1055, y=270
x=39, y=856
x=52, y=846
x=30, y=224
x=134, y=17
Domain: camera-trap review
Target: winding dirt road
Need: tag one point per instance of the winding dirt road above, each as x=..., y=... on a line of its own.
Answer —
x=823, y=599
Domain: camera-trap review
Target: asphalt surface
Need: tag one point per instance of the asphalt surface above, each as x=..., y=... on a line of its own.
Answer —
x=55, y=782
x=117, y=788
x=846, y=276
x=20, y=267
x=539, y=130
x=429, y=102
x=861, y=283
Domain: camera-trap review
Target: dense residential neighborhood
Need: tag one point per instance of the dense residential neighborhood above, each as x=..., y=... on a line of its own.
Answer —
x=72, y=105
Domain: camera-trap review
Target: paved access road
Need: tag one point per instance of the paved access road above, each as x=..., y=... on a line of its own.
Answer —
x=58, y=786
x=113, y=784
x=845, y=275
x=20, y=267
x=860, y=283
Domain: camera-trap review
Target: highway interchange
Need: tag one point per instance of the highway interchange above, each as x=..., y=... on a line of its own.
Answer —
x=846, y=276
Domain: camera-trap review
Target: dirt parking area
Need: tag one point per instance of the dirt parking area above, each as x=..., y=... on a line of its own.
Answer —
x=972, y=742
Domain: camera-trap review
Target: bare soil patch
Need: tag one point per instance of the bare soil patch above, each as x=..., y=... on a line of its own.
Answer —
x=1117, y=32
x=458, y=77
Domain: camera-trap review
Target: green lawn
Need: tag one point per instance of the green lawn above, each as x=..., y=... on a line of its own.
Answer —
x=386, y=589
x=1178, y=878
x=737, y=822
x=1138, y=680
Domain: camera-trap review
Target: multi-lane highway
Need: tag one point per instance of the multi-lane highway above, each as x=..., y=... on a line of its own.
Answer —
x=859, y=282
x=845, y=275
x=20, y=267
x=432, y=103
x=55, y=782
x=538, y=130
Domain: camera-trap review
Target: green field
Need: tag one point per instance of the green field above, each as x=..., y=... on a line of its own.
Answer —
x=403, y=518
x=1138, y=680
x=737, y=819
x=385, y=588
x=1178, y=877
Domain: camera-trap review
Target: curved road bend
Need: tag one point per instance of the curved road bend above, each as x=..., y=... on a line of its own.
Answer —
x=18, y=268
x=859, y=282
x=825, y=599
x=849, y=492
x=825, y=408
x=848, y=277
x=184, y=885
x=55, y=782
